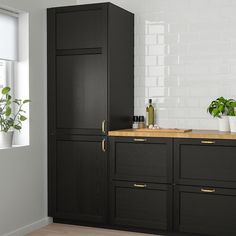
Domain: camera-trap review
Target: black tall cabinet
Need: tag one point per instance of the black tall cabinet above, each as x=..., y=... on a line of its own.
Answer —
x=90, y=91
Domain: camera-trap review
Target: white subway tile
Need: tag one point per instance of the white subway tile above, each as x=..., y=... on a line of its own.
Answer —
x=178, y=27
x=156, y=29
x=150, y=81
x=158, y=92
x=185, y=56
x=156, y=50
x=150, y=39
x=206, y=47
x=179, y=92
x=189, y=37
x=178, y=49
x=150, y=60
x=157, y=70
x=171, y=38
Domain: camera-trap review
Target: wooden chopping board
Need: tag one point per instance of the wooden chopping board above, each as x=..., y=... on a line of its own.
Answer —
x=174, y=130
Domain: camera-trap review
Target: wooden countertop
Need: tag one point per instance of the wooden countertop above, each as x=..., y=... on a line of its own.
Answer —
x=204, y=134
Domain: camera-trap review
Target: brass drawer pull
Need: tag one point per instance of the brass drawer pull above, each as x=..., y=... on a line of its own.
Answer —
x=140, y=185
x=104, y=145
x=103, y=126
x=208, y=190
x=208, y=142
x=140, y=140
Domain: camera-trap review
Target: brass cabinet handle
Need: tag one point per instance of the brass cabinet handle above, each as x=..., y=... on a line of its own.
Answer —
x=140, y=185
x=208, y=142
x=207, y=190
x=104, y=145
x=140, y=140
x=103, y=126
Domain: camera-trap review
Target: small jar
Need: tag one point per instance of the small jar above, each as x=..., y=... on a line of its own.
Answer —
x=135, y=122
x=141, y=122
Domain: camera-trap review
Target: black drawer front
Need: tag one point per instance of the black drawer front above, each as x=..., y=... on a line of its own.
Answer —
x=141, y=205
x=205, y=162
x=141, y=159
x=205, y=210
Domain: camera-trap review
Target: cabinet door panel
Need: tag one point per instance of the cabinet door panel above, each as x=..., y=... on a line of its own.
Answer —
x=205, y=213
x=202, y=162
x=81, y=29
x=81, y=92
x=80, y=180
x=147, y=160
x=142, y=207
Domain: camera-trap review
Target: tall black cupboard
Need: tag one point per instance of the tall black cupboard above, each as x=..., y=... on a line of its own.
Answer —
x=90, y=91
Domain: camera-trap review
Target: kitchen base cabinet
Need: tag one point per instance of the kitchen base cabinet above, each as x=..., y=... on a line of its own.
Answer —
x=79, y=179
x=203, y=210
x=141, y=159
x=205, y=162
x=143, y=205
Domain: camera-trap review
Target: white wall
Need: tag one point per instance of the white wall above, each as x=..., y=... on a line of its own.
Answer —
x=185, y=56
x=23, y=171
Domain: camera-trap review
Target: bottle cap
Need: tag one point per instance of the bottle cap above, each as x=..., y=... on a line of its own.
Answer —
x=150, y=100
x=135, y=119
x=141, y=118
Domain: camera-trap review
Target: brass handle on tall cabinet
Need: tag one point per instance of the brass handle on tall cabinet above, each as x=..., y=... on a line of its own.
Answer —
x=207, y=190
x=104, y=145
x=104, y=126
x=207, y=142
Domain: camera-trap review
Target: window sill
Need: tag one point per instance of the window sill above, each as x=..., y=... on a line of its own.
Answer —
x=15, y=146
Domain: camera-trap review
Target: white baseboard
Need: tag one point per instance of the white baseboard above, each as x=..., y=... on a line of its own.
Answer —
x=30, y=228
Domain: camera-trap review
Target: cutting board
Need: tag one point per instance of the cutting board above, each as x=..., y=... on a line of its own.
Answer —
x=165, y=130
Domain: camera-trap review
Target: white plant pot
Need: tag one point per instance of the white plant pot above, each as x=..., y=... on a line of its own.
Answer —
x=232, y=122
x=224, y=124
x=6, y=139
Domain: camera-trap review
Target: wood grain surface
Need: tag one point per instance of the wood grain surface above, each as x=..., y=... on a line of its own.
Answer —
x=202, y=134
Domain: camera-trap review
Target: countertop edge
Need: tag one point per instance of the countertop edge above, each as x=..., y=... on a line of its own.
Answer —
x=201, y=134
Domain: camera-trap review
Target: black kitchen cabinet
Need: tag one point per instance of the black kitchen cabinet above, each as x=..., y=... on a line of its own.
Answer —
x=90, y=69
x=141, y=159
x=173, y=186
x=204, y=210
x=90, y=91
x=80, y=176
x=140, y=182
x=139, y=204
x=81, y=92
x=205, y=162
x=81, y=27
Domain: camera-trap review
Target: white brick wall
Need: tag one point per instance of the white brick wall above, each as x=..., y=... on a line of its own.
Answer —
x=185, y=56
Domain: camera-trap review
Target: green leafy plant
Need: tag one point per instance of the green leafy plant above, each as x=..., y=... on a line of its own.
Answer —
x=222, y=106
x=11, y=111
x=231, y=105
x=217, y=108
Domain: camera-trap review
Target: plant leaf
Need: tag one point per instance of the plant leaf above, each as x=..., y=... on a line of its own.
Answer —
x=8, y=111
x=6, y=90
x=26, y=101
x=17, y=127
x=23, y=118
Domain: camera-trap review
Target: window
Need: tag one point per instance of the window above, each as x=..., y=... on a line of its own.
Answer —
x=8, y=46
x=6, y=73
x=14, y=62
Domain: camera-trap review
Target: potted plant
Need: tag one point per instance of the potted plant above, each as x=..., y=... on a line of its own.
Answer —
x=11, y=117
x=218, y=109
x=231, y=106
